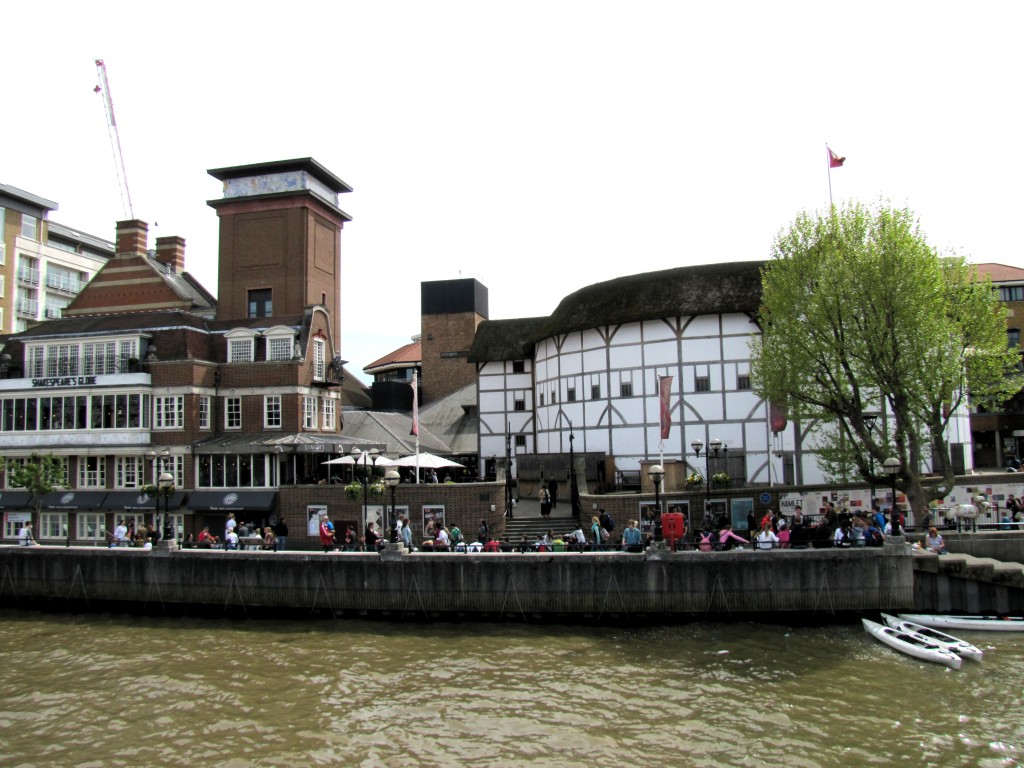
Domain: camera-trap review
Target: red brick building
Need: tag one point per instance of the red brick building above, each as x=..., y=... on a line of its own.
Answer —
x=147, y=372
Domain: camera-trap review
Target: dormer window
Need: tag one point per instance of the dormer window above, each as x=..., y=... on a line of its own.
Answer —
x=280, y=343
x=241, y=345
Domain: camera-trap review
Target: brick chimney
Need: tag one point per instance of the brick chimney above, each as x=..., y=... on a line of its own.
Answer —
x=132, y=238
x=170, y=251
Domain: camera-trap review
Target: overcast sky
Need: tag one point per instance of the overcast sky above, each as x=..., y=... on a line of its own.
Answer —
x=537, y=146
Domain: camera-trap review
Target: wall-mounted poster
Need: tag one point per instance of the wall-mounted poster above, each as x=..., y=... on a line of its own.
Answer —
x=647, y=512
x=313, y=519
x=433, y=518
x=374, y=514
x=740, y=509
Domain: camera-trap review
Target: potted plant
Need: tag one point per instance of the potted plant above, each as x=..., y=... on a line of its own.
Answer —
x=353, y=490
x=694, y=480
x=376, y=488
x=720, y=479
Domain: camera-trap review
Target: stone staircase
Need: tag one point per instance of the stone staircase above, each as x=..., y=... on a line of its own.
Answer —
x=528, y=521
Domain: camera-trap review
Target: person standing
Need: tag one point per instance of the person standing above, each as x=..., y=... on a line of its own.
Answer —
x=553, y=491
x=230, y=525
x=545, y=501
x=281, y=532
x=406, y=534
x=120, y=535
x=595, y=531
x=631, y=537
x=326, y=532
x=482, y=531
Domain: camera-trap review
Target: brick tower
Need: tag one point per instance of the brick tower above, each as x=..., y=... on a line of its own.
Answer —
x=450, y=312
x=280, y=235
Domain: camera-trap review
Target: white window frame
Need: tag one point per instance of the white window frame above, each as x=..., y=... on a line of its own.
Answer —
x=52, y=525
x=272, y=412
x=280, y=343
x=129, y=472
x=168, y=411
x=309, y=414
x=240, y=350
x=328, y=416
x=92, y=478
x=91, y=526
x=204, y=411
x=319, y=360
x=233, y=412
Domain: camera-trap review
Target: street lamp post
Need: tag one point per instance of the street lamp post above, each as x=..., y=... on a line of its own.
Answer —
x=715, y=445
x=656, y=472
x=892, y=467
x=869, y=420
x=165, y=487
x=392, y=479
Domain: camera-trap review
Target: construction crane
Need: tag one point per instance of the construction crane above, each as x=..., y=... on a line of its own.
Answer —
x=115, y=140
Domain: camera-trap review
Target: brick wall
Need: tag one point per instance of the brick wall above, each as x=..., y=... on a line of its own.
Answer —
x=445, y=341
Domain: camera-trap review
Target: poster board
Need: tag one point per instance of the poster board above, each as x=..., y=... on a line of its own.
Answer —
x=313, y=519
x=433, y=517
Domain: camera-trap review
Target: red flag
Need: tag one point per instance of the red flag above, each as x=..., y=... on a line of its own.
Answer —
x=415, y=407
x=665, y=387
x=834, y=160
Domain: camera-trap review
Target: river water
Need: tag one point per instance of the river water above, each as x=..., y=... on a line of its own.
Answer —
x=98, y=690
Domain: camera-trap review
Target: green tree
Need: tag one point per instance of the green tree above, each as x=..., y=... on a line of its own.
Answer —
x=39, y=476
x=857, y=307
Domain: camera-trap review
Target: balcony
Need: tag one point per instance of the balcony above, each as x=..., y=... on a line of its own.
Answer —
x=28, y=275
x=27, y=308
x=64, y=284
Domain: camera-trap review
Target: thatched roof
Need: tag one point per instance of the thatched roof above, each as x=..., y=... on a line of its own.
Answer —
x=680, y=292
x=506, y=339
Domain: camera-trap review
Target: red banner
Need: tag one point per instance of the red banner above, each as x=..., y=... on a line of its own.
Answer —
x=665, y=389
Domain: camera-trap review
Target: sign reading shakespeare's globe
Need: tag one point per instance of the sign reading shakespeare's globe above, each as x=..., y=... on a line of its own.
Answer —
x=67, y=498
x=230, y=499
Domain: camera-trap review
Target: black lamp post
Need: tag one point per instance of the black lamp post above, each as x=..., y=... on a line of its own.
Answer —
x=892, y=467
x=392, y=479
x=656, y=472
x=716, y=446
x=869, y=420
x=165, y=487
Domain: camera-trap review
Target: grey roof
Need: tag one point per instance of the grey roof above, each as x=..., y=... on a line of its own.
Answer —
x=84, y=325
x=392, y=430
x=294, y=442
x=455, y=419
x=96, y=244
x=679, y=292
x=25, y=202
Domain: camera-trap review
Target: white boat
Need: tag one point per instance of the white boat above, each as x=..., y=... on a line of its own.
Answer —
x=979, y=623
x=961, y=648
x=912, y=644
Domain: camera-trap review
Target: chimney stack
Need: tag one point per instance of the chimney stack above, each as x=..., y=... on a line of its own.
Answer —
x=132, y=238
x=170, y=251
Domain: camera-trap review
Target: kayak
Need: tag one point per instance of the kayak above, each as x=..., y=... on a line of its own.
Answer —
x=961, y=648
x=980, y=623
x=912, y=644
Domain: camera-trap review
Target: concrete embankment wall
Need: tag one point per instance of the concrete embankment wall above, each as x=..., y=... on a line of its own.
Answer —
x=694, y=584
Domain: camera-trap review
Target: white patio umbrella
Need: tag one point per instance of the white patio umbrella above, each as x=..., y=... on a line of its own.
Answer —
x=363, y=459
x=425, y=461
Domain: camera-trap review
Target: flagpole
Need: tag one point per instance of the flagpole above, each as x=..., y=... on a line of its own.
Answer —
x=416, y=421
x=828, y=164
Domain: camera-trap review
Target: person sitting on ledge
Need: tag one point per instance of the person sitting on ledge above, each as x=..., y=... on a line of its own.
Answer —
x=767, y=539
x=933, y=541
x=726, y=537
x=491, y=545
x=206, y=539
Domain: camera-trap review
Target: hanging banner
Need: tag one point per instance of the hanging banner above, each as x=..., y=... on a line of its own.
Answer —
x=665, y=387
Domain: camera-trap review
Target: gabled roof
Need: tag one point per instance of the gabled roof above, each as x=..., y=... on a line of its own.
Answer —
x=391, y=429
x=403, y=357
x=454, y=419
x=1000, y=273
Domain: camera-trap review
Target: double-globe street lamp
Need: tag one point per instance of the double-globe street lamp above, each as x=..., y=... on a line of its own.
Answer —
x=892, y=467
x=657, y=472
x=715, y=445
x=392, y=479
x=165, y=487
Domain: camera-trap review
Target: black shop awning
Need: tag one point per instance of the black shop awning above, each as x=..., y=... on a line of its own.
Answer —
x=14, y=499
x=74, y=500
x=137, y=501
x=232, y=501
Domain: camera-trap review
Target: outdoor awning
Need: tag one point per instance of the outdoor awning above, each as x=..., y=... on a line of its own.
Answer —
x=232, y=501
x=74, y=500
x=14, y=499
x=138, y=501
x=281, y=444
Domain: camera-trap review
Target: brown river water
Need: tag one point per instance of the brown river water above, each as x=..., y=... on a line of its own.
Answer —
x=100, y=690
